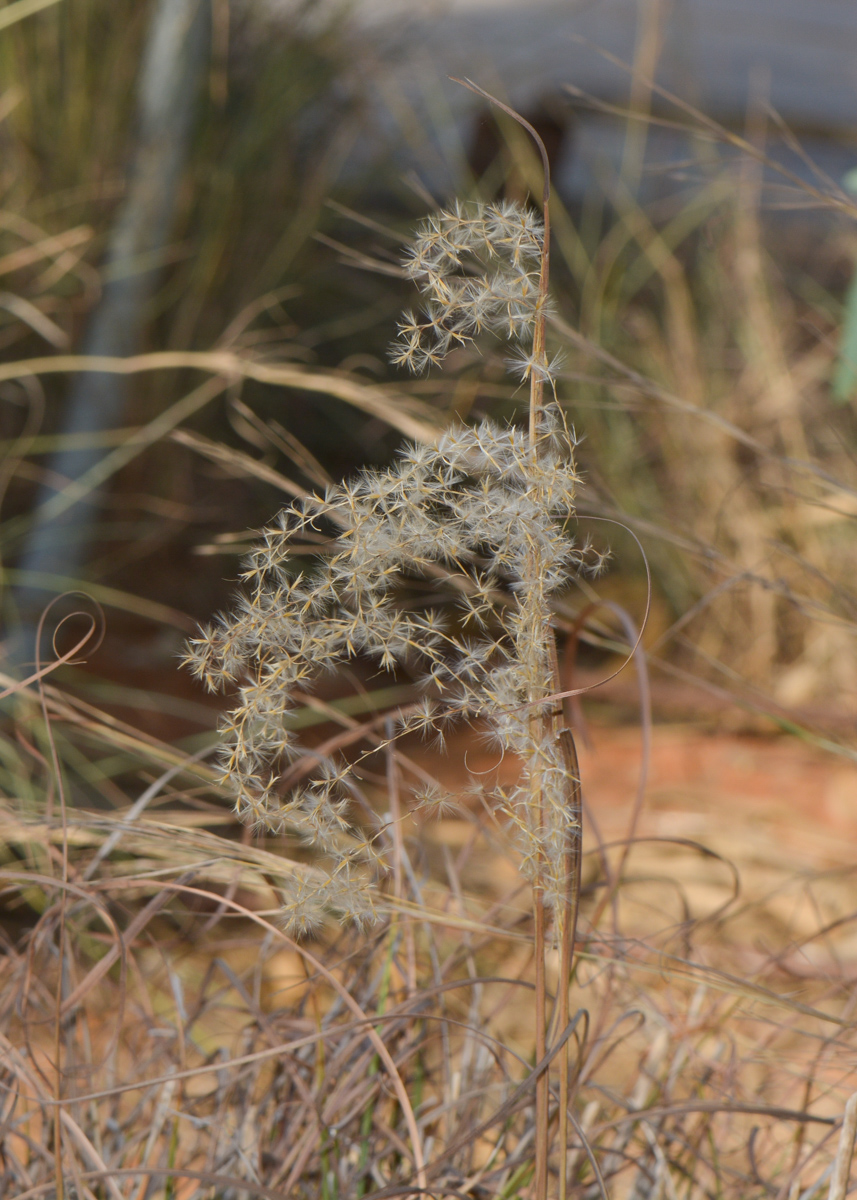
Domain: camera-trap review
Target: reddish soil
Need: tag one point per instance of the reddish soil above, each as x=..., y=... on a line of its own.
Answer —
x=799, y=794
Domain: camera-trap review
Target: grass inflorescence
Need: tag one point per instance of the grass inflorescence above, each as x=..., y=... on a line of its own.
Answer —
x=484, y=508
x=483, y=512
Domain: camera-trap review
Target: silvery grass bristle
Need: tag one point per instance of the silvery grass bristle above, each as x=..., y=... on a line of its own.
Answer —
x=486, y=508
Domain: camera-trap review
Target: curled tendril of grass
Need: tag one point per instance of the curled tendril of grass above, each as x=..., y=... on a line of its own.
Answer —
x=486, y=507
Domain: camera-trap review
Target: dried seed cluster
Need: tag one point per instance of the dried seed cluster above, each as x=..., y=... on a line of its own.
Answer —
x=484, y=509
x=477, y=267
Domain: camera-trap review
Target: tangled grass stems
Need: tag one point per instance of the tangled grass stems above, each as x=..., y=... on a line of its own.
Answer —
x=239, y=1076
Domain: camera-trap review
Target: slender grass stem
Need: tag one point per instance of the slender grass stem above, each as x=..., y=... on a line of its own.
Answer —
x=542, y=1083
x=61, y=923
x=568, y=930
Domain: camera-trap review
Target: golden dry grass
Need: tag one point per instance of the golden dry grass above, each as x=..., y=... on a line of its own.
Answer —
x=202, y=1053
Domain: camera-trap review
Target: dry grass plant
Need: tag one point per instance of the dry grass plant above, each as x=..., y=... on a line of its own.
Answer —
x=164, y=1036
x=487, y=509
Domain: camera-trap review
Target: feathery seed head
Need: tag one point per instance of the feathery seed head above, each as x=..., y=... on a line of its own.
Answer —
x=477, y=267
x=482, y=507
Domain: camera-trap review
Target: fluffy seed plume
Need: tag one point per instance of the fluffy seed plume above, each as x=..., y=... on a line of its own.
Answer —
x=485, y=508
x=477, y=268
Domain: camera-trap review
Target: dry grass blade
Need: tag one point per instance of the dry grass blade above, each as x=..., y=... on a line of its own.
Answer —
x=108, y=597
x=403, y=413
x=236, y=461
x=20, y=9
